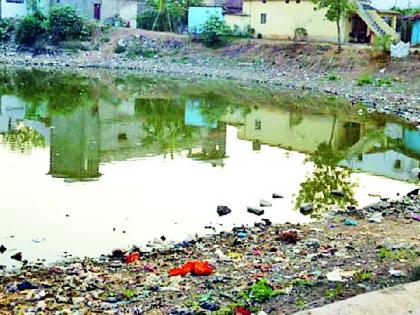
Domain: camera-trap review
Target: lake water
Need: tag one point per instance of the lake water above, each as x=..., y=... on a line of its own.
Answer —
x=88, y=164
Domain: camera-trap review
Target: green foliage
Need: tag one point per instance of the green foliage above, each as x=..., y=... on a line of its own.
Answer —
x=24, y=139
x=336, y=9
x=7, y=26
x=165, y=15
x=65, y=24
x=326, y=177
x=215, y=32
x=406, y=254
x=337, y=291
x=407, y=11
x=300, y=34
x=383, y=82
x=29, y=29
x=260, y=292
x=382, y=44
x=365, y=79
x=362, y=275
x=332, y=77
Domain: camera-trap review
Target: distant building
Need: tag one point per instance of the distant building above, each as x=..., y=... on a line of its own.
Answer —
x=278, y=19
x=105, y=10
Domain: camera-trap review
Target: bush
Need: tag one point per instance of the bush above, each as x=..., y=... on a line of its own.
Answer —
x=7, y=26
x=300, y=34
x=365, y=80
x=29, y=29
x=215, y=32
x=382, y=44
x=65, y=24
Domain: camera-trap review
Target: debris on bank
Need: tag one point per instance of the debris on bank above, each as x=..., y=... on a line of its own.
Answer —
x=264, y=269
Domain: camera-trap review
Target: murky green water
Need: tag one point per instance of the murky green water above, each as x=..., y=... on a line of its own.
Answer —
x=88, y=164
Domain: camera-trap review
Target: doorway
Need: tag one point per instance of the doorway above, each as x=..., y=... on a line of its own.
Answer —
x=97, y=11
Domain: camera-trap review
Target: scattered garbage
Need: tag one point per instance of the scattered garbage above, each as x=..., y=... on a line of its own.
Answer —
x=396, y=273
x=26, y=285
x=196, y=268
x=349, y=222
x=376, y=218
x=3, y=249
x=255, y=263
x=131, y=258
x=223, y=210
x=290, y=237
x=277, y=196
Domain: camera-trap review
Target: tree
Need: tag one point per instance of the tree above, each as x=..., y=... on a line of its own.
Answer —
x=336, y=9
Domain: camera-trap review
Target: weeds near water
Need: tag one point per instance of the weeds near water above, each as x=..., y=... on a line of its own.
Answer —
x=401, y=254
x=337, y=291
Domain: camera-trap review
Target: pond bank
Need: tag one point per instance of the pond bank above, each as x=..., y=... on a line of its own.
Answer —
x=277, y=269
x=400, y=98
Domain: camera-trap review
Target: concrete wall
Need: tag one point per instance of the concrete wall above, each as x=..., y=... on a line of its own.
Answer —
x=12, y=10
x=283, y=18
x=240, y=20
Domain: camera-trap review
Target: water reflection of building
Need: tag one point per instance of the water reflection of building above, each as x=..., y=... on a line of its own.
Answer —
x=13, y=111
x=75, y=144
x=300, y=132
x=359, y=144
x=132, y=129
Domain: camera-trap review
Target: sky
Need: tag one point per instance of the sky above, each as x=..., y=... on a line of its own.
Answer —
x=387, y=4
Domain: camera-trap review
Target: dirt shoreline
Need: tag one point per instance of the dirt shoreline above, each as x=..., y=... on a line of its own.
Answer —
x=275, y=269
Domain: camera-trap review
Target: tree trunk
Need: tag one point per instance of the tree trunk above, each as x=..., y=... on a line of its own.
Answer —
x=339, y=36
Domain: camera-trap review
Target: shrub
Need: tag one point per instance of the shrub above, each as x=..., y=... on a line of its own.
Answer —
x=215, y=32
x=7, y=26
x=300, y=34
x=65, y=24
x=365, y=80
x=382, y=44
x=29, y=29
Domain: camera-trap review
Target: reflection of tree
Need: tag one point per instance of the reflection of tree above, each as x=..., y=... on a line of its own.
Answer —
x=163, y=121
x=318, y=187
x=23, y=139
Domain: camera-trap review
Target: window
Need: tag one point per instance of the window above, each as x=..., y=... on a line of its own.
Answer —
x=15, y=1
x=263, y=18
x=287, y=1
x=297, y=1
x=257, y=124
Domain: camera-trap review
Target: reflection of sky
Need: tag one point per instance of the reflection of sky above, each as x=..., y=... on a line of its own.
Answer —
x=194, y=116
x=391, y=163
x=412, y=140
x=152, y=197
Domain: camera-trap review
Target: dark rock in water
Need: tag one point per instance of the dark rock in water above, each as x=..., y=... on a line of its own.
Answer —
x=223, y=210
x=2, y=249
x=265, y=203
x=26, y=285
x=307, y=209
x=17, y=257
x=267, y=222
x=415, y=192
x=277, y=196
x=338, y=193
x=255, y=211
